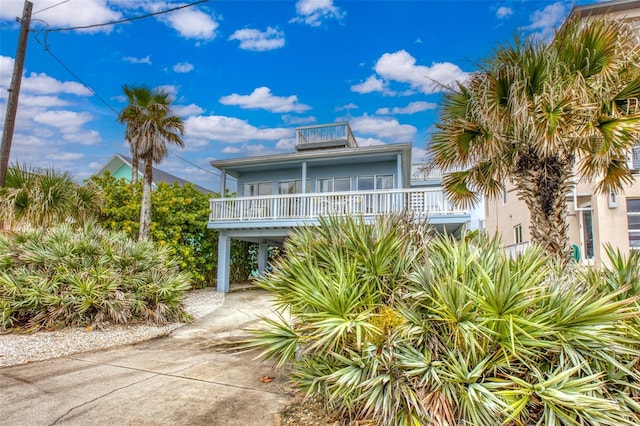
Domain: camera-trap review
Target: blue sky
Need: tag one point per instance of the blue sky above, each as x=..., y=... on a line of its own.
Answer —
x=245, y=74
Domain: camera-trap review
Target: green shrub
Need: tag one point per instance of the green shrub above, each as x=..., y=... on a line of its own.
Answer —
x=87, y=275
x=390, y=327
x=179, y=217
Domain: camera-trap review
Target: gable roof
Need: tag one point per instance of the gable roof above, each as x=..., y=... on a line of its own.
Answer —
x=118, y=160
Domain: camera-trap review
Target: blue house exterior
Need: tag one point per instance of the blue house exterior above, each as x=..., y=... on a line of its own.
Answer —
x=328, y=174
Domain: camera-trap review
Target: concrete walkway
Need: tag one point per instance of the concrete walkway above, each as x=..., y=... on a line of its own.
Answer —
x=187, y=378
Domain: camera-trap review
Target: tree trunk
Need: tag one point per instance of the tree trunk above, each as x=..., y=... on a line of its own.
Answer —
x=134, y=167
x=543, y=184
x=145, y=208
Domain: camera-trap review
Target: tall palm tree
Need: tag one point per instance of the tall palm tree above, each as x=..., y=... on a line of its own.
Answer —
x=151, y=124
x=130, y=115
x=539, y=114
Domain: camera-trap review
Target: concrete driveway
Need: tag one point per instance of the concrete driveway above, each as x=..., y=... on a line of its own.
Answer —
x=187, y=378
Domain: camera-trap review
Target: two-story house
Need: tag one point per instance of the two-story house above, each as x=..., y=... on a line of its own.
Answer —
x=328, y=174
x=594, y=219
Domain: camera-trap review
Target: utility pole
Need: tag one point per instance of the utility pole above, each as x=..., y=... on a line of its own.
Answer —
x=14, y=92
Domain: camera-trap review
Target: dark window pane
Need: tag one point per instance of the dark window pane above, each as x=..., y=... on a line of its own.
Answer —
x=342, y=184
x=633, y=205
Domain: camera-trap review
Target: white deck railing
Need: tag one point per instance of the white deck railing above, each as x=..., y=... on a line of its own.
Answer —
x=312, y=205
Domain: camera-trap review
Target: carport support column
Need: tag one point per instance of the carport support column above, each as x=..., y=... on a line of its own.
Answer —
x=224, y=263
x=263, y=253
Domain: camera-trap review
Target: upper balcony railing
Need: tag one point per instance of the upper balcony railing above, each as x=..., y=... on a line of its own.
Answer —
x=325, y=136
x=419, y=202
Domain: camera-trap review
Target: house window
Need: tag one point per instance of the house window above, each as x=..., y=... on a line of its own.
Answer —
x=517, y=234
x=633, y=222
x=504, y=195
x=333, y=184
x=367, y=183
x=291, y=186
x=258, y=188
x=587, y=233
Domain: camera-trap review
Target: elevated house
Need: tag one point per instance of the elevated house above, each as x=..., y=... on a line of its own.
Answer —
x=328, y=174
x=594, y=219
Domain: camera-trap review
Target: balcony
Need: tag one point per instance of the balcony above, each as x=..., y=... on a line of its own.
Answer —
x=301, y=209
x=336, y=135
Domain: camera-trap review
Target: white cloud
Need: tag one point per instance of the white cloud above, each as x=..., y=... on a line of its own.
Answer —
x=504, y=12
x=287, y=144
x=400, y=66
x=65, y=156
x=371, y=84
x=63, y=120
x=42, y=84
x=292, y=119
x=544, y=21
x=41, y=101
x=169, y=88
x=90, y=137
x=187, y=110
x=418, y=155
x=94, y=165
x=412, y=108
x=231, y=129
x=347, y=107
x=252, y=39
x=369, y=141
x=248, y=150
x=133, y=60
x=314, y=12
x=64, y=15
x=190, y=23
x=231, y=150
x=383, y=128
x=183, y=67
x=262, y=98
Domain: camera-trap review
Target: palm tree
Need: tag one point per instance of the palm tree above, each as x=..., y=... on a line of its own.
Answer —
x=150, y=125
x=541, y=114
x=130, y=115
x=45, y=197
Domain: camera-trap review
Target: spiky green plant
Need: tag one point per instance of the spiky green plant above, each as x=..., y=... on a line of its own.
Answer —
x=81, y=276
x=389, y=326
x=45, y=197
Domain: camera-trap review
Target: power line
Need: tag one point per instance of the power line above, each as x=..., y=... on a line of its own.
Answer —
x=84, y=27
x=51, y=7
x=193, y=164
x=46, y=48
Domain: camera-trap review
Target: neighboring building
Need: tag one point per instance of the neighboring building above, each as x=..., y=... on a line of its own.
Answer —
x=328, y=174
x=120, y=166
x=594, y=219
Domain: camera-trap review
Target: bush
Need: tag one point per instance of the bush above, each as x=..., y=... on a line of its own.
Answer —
x=81, y=276
x=389, y=327
x=179, y=216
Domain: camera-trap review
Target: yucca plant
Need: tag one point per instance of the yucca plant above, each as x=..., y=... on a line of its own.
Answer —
x=390, y=326
x=87, y=275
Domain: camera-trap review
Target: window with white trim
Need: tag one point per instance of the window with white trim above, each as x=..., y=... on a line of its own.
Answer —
x=367, y=183
x=517, y=234
x=633, y=222
x=258, y=188
x=292, y=186
x=333, y=184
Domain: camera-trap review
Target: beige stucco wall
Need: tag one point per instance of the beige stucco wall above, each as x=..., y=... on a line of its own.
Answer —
x=609, y=224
